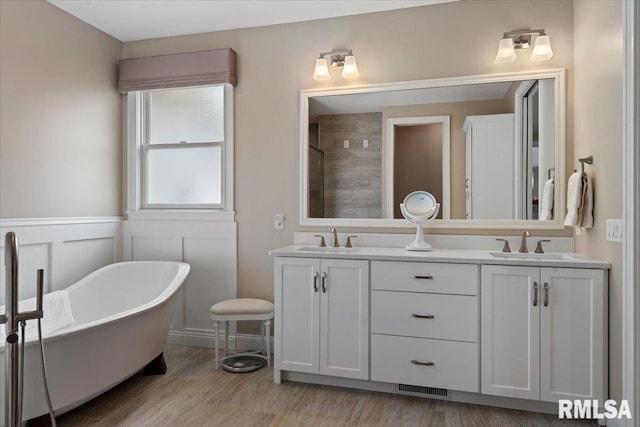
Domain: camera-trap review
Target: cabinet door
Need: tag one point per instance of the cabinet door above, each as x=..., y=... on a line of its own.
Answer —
x=297, y=315
x=344, y=318
x=510, y=331
x=572, y=334
x=491, y=143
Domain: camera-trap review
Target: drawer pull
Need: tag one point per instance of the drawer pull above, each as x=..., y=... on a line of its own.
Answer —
x=315, y=281
x=423, y=277
x=546, y=294
x=422, y=316
x=417, y=362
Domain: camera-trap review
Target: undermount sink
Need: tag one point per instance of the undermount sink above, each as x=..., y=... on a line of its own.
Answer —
x=327, y=249
x=530, y=255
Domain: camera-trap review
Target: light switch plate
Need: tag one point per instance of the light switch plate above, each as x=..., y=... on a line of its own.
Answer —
x=346, y=143
x=278, y=222
x=614, y=230
x=365, y=143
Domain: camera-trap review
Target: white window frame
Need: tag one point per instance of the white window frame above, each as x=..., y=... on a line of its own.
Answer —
x=136, y=153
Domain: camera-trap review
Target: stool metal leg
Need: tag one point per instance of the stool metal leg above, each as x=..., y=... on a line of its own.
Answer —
x=267, y=334
x=216, y=328
x=263, y=338
x=226, y=338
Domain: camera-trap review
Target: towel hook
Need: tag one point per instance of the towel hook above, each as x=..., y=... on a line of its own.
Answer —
x=588, y=160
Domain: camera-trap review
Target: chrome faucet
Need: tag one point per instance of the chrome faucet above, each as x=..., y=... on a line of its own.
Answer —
x=322, y=242
x=523, y=243
x=336, y=244
x=11, y=318
x=539, y=249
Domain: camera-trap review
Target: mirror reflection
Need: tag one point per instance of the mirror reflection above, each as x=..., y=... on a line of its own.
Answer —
x=484, y=150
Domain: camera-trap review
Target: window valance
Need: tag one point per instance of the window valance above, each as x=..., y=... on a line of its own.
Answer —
x=178, y=70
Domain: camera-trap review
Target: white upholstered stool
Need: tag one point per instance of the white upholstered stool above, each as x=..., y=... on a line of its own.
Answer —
x=242, y=309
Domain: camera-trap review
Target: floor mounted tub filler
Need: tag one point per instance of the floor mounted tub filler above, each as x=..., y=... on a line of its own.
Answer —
x=121, y=318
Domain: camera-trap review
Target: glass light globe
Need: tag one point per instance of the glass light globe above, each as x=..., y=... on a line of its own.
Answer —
x=541, y=49
x=506, y=52
x=322, y=71
x=350, y=69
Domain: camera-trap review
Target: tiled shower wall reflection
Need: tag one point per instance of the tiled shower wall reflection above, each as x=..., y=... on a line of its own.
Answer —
x=352, y=176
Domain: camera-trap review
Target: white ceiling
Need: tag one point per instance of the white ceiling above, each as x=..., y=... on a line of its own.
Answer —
x=129, y=20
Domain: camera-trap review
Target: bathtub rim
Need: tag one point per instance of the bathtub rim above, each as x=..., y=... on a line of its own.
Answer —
x=171, y=288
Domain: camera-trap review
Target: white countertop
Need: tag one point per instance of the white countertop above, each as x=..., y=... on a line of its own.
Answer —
x=460, y=256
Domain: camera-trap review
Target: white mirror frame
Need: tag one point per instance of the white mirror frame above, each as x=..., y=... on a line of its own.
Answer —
x=559, y=75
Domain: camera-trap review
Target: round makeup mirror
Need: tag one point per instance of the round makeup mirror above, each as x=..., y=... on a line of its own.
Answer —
x=419, y=207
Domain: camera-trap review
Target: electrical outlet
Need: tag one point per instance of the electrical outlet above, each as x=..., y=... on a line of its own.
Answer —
x=278, y=222
x=346, y=143
x=614, y=230
x=365, y=143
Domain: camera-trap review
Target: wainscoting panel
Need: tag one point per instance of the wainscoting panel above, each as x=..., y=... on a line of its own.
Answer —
x=208, y=281
x=152, y=248
x=209, y=247
x=32, y=257
x=92, y=254
x=66, y=248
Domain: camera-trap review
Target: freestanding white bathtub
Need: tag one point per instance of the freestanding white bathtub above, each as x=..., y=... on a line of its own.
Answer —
x=122, y=314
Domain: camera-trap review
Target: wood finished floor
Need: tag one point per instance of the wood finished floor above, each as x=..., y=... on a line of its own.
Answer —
x=192, y=393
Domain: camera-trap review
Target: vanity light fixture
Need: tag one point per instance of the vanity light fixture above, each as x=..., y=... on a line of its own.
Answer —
x=521, y=39
x=339, y=58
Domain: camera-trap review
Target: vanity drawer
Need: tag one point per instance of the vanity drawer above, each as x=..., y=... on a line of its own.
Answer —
x=453, y=365
x=439, y=278
x=454, y=317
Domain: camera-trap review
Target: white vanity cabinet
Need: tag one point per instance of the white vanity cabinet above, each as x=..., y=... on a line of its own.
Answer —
x=424, y=324
x=322, y=316
x=543, y=332
x=465, y=324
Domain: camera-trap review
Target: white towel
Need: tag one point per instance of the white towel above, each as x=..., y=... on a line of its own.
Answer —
x=57, y=314
x=546, y=207
x=574, y=200
x=586, y=212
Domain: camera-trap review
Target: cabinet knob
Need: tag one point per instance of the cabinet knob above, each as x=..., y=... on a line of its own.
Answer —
x=535, y=294
x=324, y=280
x=315, y=281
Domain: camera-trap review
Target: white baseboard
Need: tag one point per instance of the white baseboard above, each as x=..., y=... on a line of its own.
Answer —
x=205, y=339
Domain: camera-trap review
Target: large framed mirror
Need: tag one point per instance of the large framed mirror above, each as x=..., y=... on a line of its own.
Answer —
x=490, y=148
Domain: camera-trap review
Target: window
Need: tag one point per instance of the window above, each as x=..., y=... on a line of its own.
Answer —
x=182, y=146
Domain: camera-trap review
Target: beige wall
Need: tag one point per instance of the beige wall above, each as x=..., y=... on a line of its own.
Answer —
x=60, y=152
x=417, y=163
x=275, y=62
x=598, y=132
